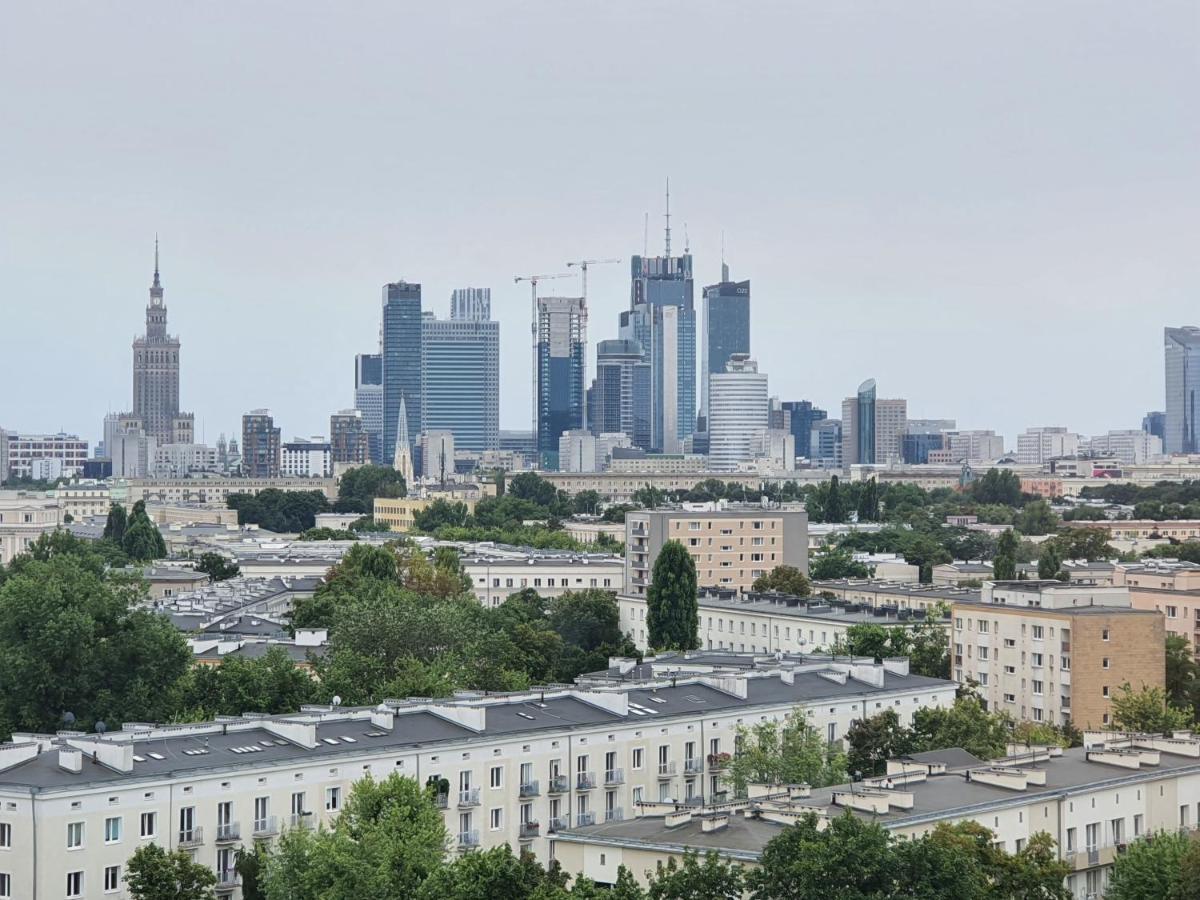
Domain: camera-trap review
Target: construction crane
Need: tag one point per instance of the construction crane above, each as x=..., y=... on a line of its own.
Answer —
x=533, y=323
x=583, y=266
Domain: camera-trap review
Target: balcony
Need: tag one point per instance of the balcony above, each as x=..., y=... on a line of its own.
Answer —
x=469, y=797
x=693, y=765
x=559, y=784
x=530, y=789
x=616, y=814
x=614, y=776
x=530, y=830
x=266, y=827
x=1066, y=647
x=719, y=761
x=468, y=839
x=558, y=823
x=229, y=833
x=191, y=837
x=1093, y=856
x=585, y=781
x=637, y=530
x=585, y=818
x=300, y=820
x=227, y=880
x=666, y=770
x=441, y=801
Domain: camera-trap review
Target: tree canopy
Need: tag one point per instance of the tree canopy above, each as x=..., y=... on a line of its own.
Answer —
x=672, y=610
x=786, y=580
x=153, y=873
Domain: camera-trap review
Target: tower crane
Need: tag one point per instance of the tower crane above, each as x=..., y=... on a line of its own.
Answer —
x=533, y=322
x=583, y=267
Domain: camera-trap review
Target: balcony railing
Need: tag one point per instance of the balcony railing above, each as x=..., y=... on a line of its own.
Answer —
x=530, y=789
x=231, y=831
x=191, y=837
x=559, y=784
x=616, y=814
x=693, y=765
x=558, y=823
x=227, y=880
x=300, y=820
x=468, y=839
x=666, y=770
x=530, y=830
x=585, y=781
x=441, y=801
x=585, y=818
x=469, y=797
x=266, y=827
x=1093, y=856
x=614, y=776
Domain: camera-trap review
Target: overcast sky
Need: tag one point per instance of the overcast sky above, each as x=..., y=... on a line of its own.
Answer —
x=993, y=208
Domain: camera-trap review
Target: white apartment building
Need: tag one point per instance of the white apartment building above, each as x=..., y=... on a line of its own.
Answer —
x=82, y=499
x=206, y=491
x=1129, y=446
x=737, y=413
x=1092, y=800
x=514, y=769
x=24, y=517
x=180, y=460
x=23, y=449
x=1039, y=445
x=494, y=578
x=974, y=445
x=312, y=458
x=577, y=451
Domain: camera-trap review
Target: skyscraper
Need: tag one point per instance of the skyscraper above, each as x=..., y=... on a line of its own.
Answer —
x=561, y=363
x=401, y=346
x=872, y=428
x=368, y=400
x=1181, y=347
x=1155, y=423
x=260, y=445
x=621, y=392
x=737, y=413
x=726, y=312
x=348, y=438
x=798, y=417
x=156, y=374
x=460, y=381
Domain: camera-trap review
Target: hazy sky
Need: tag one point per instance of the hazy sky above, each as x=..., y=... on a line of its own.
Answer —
x=990, y=207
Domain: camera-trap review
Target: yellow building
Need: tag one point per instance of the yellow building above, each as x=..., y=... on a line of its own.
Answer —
x=399, y=513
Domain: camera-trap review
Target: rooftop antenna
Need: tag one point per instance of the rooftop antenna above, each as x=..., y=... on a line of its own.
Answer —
x=687, y=244
x=668, y=217
x=646, y=236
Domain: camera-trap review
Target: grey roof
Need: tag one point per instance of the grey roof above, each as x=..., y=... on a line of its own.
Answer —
x=899, y=589
x=806, y=609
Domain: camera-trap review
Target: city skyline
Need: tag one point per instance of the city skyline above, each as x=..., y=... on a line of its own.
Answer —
x=918, y=217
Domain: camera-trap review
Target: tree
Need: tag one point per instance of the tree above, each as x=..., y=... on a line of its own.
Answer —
x=534, y=488
x=672, y=611
x=495, y=874
x=1183, y=675
x=851, y=859
x=785, y=752
x=72, y=639
x=1036, y=518
x=875, y=740
x=327, y=534
x=1034, y=872
x=868, y=502
x=359, y=487
x=281, y=511
x=1004, y=566
x=114, y=525
x=588, y=623
x=141, y=540
x=271, y=683
x=1050, y=562
x=1150, y=868
x=439, y=514
x=217, y=567
x=586, y=503
x=835, y=562
x=710, y=878
x=996, y=486
x=1148, y=711
x=872, y=640
x=966, y=724
x=1084, y=543
x=929, y=651
x=154, y=874
x=785, y=580
x=835, y=510
x=924, y=552
x=249, y=865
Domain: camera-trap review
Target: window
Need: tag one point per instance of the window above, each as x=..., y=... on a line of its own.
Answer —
x=1038, y=632
x=497, y=776
x=1037, y=687
x=112, y=878
x=5, y=885
x=1104, y=663
x=496, y=819
x=112, y=830
x=74, y=884
x=1172, y=612
x=1104, y=635
x=149, y=824
x=333, y=798
x=5, y=836
x=1104, y=690
x=1137, y=825
x=74, y=835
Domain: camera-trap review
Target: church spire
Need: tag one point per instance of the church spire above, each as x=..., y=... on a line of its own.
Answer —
x=402, y=460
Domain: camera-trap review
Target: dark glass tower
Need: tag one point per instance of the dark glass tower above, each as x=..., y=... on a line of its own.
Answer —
x=1181, y=347
x=726, y=310
x=401, y=358
x=621, y=392
x=864, y=425
x=801, y=416
x=561, y=362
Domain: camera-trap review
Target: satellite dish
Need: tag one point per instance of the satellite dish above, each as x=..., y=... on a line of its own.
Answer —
x=68, y=719
x=337, y=700
x=101, y=727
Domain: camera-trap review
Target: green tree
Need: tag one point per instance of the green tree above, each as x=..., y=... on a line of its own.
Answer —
x=271, y=683
x=359, y=487
x=924, y=552
x=873, y=640
x=1050, y=562
x=141, y=540
x=835, y=562
x=929, y=651
x=534, y=488
x=154, y=874
x=997, y=486
x=1147, y=710
x=1150, y=869
x=1084, y=543
x=586, y=503
x=588, y=623
x=1183, y=675
x=851, y=859
x=672, y=611
x=786, y=580
x=966, y=724
x=875, y=740
x=280, y=511
x=388, y=839
x=327, y=534
x=217, y=567
x=72, y=639
x=1033, y=873
x=868, y=502
x=440, y=514
x=1004, y=566
x=834, y=507
x=1036, y=518
x=114, y=525
x=249, y=864
x=697, y=878
x=790, y=751
x=495, y=874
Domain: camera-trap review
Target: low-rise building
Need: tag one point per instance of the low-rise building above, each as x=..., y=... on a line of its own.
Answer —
x=588, y=531
x=494, y=577
x=893, y=594
x=1047, y=651
x=210, y=491
x=83, y=499
x=24, y=517
x=1167, y=586
x=399, y=513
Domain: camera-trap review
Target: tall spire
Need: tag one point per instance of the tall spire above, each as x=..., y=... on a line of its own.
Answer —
x=668, y=217
x=156, y=290
x=402, y=460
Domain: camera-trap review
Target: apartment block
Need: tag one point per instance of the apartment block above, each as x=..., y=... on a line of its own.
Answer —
x=494, y=578
x=730, y=545
x=511, y=769
x=1167, y=586
x=207, y=491
x=1046, y=651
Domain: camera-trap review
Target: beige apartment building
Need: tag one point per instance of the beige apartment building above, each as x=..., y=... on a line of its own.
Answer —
x=551, y=574
x=515, y=769
x=1168, y=586
x=83, y=499
x=210, y=491
x=399, y=513
x=1045, y=651
x=730, y=545
x=621, y=486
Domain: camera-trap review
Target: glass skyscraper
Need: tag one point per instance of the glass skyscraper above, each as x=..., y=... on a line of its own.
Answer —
x=726, y=311
x=461, y=377
x=561, y=363
x=1182, y=350
x=621, y=392
x=800, y=416
x=401, y=347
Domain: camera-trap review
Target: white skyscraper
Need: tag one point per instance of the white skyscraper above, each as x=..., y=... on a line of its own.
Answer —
x=737, y=405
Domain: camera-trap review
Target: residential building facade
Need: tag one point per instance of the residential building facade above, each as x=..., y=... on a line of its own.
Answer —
x=260, y=445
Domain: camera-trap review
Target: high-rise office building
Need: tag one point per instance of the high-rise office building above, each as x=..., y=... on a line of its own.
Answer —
x=401, y=346
x=471, y=303
x=798, y=417
x=460, y=381
x=437, y=455
x=1044, y=443
x=872, y=428
x=260, y=445
x=621, y=392
x=156, y=374
x=1181, y=347
x=737, y=413
x=561, y=363
x=348, y=439
x=825, y=444
x=726, y=313
x=1155, y=423
x=368, y=400
x=662, y=319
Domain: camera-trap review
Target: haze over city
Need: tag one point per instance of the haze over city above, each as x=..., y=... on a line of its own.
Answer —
x=972, y=204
